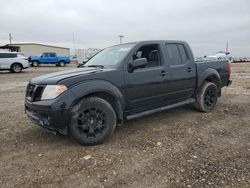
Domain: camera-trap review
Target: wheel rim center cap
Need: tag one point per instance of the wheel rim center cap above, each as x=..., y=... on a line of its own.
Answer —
x=91, y=121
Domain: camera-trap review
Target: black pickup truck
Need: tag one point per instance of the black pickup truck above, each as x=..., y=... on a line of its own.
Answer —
x=120, y=83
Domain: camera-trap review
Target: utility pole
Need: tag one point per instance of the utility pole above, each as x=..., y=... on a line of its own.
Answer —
x=74, y=44
x=120, y=36
x=227, y=47
x=10, y=37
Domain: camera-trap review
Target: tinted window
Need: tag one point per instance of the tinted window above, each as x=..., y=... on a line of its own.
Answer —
x=151, y=53
x=173, y=54
x=52, y=55
x=183, y=53
x=8, y=55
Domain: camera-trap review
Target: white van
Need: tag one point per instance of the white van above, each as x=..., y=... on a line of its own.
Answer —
x=13, y=61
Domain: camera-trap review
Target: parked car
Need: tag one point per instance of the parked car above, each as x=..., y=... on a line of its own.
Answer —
x=121, y=83
x=220, y=56
x=49, y=58
x=13, y=61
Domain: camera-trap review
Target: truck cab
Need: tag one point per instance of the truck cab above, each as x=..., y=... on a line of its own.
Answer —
x=49, y=58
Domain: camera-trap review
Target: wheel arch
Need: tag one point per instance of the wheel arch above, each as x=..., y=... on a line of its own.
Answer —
x=104, y=90
x=16, y=63
x=209, y=75
x=37, y=60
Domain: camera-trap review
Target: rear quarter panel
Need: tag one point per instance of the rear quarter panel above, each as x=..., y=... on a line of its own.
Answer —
x=212, y=68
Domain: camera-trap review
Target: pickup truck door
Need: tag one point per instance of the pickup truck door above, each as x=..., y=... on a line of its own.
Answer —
x=44, y=58
x=180, y=81
x=144, y=85
x=52, y=58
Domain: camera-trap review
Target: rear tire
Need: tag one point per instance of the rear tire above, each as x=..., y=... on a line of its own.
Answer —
x=61, y=63
x=93, y=120
x=16, y=68
x=207, y=97
x=35, y=64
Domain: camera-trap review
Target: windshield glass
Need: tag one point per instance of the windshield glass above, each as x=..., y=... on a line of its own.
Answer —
x=110, y=56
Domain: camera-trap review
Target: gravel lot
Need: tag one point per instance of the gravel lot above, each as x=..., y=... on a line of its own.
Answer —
x=175, y=148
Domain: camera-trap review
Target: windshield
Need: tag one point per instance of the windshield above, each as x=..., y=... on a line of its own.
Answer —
x=110, y=56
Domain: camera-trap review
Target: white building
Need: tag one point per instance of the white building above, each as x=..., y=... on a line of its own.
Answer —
x=35, y=49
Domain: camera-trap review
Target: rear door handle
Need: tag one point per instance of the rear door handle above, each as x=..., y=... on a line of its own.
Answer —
x=189, y=69
x=163, y=73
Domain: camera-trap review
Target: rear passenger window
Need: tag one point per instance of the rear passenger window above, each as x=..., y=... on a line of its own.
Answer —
x=52, y=55
x=173, y=54
x=183, y=53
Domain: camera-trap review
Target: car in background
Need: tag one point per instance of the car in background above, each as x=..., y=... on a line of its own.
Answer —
x=73, y=59
x=13, y=61
x=49, y=58
x=220, y=56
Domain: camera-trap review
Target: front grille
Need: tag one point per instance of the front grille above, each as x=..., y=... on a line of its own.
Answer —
x=34, y=92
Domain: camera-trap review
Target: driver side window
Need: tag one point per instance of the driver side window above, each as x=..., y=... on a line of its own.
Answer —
x=151, y=53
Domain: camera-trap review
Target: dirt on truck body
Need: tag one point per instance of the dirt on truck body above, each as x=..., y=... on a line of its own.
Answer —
x=176, y=148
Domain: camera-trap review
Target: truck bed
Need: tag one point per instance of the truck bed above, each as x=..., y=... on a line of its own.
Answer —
x=221, y=66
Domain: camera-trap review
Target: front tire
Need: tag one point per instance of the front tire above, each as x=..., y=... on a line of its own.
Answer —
x=16, y=68
x=207, y=97
x=35, y=64
x=93, y=120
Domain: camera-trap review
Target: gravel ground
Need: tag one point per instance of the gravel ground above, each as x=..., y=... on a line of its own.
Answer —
x=175, y=148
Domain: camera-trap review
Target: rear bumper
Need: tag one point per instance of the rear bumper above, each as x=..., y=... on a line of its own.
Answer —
x=52, y=119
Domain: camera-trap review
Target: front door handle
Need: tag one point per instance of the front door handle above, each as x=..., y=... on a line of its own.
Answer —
x=163, y=73
x=189, y=69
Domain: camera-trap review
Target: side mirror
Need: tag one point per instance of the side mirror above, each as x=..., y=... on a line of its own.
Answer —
x=139, y=63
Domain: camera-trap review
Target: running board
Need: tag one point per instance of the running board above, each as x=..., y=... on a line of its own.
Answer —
x=145, y=113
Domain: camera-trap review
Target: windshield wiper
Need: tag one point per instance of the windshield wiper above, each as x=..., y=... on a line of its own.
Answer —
x=99, y=66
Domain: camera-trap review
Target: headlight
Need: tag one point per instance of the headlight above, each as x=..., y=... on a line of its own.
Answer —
x=52, y=91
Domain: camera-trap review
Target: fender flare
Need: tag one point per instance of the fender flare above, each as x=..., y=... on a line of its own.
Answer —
x=88, y=87
x=206, y=74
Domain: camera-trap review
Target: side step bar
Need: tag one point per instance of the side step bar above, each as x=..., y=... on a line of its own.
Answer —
x=140, y=114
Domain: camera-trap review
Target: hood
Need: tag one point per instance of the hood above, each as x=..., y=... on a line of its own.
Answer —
x=54, y=78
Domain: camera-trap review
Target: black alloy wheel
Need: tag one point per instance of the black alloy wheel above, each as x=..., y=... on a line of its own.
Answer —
x=93, y=120
x=210, y=97
x=206, y=98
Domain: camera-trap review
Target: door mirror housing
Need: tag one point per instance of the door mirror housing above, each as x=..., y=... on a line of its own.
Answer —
x=139, y=63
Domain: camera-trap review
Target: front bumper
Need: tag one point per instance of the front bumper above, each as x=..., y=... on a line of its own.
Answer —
x=53, y=115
